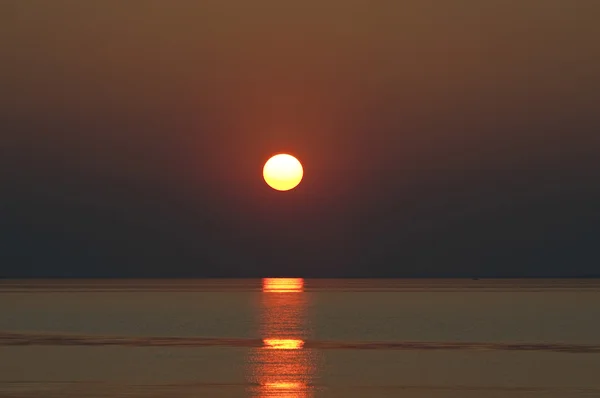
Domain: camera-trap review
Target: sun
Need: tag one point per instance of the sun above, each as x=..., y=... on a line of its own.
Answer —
x=283, y=172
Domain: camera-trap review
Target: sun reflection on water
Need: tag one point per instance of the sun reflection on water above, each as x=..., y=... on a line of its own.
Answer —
x=283, y=344
x=283, y=367
x=283, y=285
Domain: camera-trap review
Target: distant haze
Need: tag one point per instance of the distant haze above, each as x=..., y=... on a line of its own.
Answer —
x=439, y=138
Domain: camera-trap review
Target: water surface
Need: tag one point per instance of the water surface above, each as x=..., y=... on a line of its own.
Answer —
x=300, y=338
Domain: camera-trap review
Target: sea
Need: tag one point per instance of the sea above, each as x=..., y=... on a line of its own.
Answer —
x=300, y=338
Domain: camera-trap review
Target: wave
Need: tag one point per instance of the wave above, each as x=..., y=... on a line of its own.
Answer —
x=309, y=285
x=23, y=385
x=63, y=339
x=34, y=388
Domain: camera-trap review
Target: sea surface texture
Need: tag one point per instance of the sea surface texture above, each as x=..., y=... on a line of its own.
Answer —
x=300, y=338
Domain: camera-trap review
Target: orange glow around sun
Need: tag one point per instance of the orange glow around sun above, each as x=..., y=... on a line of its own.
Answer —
x=283, y=172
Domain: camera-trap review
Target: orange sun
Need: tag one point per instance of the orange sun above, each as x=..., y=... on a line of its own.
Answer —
x=283, y=172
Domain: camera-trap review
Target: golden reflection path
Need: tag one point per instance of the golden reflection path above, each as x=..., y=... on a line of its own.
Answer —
x=282, y=367
x=283, y=285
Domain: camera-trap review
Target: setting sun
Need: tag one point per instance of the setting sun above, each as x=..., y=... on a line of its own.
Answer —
x=283, y=172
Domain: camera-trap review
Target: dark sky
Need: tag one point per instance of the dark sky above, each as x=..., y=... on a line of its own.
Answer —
x=439, y=138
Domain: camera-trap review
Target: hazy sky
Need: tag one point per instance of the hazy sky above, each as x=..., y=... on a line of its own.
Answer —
x=457, y=137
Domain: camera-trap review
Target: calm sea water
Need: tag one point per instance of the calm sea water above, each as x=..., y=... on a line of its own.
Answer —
x=300, y=338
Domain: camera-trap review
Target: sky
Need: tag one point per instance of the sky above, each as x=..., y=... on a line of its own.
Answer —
x=455, y=138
